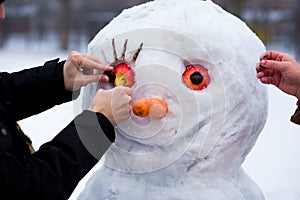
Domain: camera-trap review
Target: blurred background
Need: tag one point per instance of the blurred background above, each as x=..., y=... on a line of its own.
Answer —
x=38, y=30
x=70, y=24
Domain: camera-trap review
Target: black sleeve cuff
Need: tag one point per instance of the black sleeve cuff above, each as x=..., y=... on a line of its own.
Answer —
x=95, y=132
x=108, y=128
x=296, y=116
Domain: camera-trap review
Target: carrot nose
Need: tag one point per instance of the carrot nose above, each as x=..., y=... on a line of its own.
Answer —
x=155, y=108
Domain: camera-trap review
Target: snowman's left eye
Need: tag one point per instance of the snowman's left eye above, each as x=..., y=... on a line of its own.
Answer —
x=196, y=77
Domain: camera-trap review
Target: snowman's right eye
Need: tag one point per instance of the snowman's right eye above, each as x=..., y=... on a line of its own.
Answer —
x=122, y=74
x=196, y=77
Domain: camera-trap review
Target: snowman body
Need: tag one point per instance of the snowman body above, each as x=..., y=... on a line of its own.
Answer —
x=196, y=150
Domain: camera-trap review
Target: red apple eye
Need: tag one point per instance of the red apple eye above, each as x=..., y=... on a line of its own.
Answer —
x=122, y=74
x=196, y=77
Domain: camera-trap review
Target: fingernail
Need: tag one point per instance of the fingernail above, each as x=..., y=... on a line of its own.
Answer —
x=105, y=79
x=264, y=62
x=259, y=68
x=265, y=56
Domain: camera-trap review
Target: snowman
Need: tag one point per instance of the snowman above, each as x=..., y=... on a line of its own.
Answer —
x=197, y=105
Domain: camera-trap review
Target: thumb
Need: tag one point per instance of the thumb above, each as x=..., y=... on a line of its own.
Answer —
x=94, y=78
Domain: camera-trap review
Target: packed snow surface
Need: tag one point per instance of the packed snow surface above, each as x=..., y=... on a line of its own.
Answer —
x=197, y=150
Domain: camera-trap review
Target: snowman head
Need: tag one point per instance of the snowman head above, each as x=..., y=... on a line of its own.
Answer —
x=200, y=60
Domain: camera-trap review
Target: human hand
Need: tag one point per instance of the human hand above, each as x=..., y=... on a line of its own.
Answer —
x=281, y=70
x=113, y=103
x=78, y=71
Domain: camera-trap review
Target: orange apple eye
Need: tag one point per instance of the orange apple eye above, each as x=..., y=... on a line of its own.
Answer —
x=196, y=77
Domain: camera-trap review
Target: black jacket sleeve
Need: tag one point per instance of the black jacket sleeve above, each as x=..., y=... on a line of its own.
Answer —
x=295, y=118
x=55, y=169
x=33, y=90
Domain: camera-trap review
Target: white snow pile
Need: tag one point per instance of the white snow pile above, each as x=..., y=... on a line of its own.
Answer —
x=197, y=150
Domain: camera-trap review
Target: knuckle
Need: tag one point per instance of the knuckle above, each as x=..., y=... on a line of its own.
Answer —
x=100, y=91
x=74, y=55
x=118, y=89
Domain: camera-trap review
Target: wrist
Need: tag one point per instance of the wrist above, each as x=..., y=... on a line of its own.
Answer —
x=109, y=117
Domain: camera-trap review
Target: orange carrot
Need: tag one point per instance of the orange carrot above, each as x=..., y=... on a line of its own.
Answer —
x=153, y=107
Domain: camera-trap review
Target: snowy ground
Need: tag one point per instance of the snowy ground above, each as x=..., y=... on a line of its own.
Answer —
x=273, y=163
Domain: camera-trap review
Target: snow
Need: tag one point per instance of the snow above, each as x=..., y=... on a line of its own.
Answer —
x=273, y=163
x=213, y=158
